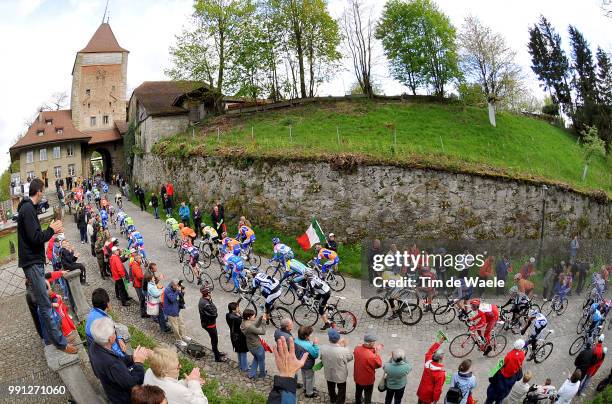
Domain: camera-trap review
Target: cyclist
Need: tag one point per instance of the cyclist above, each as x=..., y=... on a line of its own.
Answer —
x=539, y=323
x=104, y=218
x=245, y=235
x=486, y=317
x=129, y=225
x=229, y=244
x=270, y=289
x=88, y=195
x=105, y=187
x=118, y=199
x=121, y=215
x=187, y=233
x=426, y=272
x=597, y=317
x=463, y=293
x=326, y=254
x=209, y=233
x=135, y=240
x=194, y=255
x=320, y=291
x=519, y=301
x=235, y=266
x=282, y=253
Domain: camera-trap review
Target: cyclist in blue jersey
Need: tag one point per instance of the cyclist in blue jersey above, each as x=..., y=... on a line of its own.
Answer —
x=270, y=289
x=104, y=218
x=229, y=245
x=235, y=265
x=282, y=253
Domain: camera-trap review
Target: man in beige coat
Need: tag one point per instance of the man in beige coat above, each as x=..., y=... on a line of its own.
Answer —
x=336, y=357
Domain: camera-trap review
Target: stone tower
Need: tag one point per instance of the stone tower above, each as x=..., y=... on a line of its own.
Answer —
x=99, y=82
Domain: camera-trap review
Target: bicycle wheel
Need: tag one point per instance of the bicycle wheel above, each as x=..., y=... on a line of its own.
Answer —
x=581, y=324
x=345, y=321
x=204, y=261
x=287, y=297
x=207, y=280
x=226, y=282
x=188, y=273
x=181, y=254
x=254, y=260
x=246, y=304
x=410, y=314
x=561, y=306
x=577, y=345
x=543, y=352
x=305, y=315
x=462, y=345
x=277, y=314
x=205, y=250
x=376, y=307
x=547, y=307
x=167, y=239
x=274, y=273
x=336, y=281
x=498, y=343
x=444, y=314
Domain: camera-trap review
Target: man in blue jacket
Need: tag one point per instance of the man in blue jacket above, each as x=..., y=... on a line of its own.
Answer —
x=172, y=310
x=185, y=214
x=285, y=383
x=100, y=302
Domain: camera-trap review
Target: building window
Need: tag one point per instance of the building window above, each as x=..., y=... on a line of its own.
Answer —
x=70, y=150
x=88, y=92
x=59, y=131
x=92, y=121
x=42, y=154
x=88, y=105
x=48, y=121
x=57, y=153
x=40, y=132
x=30, y=175
x=58, y=171
x=71, y=170
x=105, y=119
x=30, y=157
x=113, y=89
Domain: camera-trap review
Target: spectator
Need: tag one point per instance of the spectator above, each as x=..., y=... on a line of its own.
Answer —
x=101, y=306
x=245, y=221
x=502, y=381
x=137, y=276
x=582, y=268
x=69, y=257
x=208, y=320
x=584, y=360
x=146, y=394
x=234, y=319
x=310, y=345
x=502, y=269
x=170, y=193
x=396, y=373
x=367, y=360
x=331, y=242
x=569, y=388
x=81, y=224
x=486, y=272
x=524, y=286
x=31, y=252
x=335, y=358
x=434, y=375
x=599, y=354
x=118, y=374
x=185, y=214
x=528, y=270
x=118, y=273
x=141, y=198
x=153, y=299
x=549, y=284
x=91, y=233
x=217, y=219
x=519, y=390
x=573, y=249
x=102, y=238
x=285, y=385
x=68, y=329
x=163, y=372
x=464, y=381
x=197, y=220
x=172, y=293
x=155, y=205
x=252, y=329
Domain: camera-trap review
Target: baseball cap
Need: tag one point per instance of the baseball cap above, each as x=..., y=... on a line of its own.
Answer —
x=333, y=335
x=369, y=337
x=331, y=235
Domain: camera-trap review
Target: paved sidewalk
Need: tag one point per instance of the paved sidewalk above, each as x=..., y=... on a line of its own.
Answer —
x=414, y=340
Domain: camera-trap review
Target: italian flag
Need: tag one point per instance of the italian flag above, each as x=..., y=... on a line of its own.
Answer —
x=313, y=235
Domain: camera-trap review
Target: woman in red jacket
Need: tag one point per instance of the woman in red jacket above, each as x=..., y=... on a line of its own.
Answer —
x=118, y=273
x=434, y=375
x=502, y=381
x=367, y=360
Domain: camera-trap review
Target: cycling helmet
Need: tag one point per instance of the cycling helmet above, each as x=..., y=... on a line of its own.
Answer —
x=275, y=240
x=514, y=290
x=203, y=225
x=533, y=312
x=475, y=302
x=236, y=251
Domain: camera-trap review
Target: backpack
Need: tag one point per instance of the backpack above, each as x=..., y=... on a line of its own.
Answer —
x=454, y=395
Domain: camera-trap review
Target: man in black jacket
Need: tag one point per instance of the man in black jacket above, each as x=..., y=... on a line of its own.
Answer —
x=69, y=261
x=31, y=241
x=117, y=374
x=208, y=320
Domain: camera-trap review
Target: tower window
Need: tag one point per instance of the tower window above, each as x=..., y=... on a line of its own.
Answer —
x=92, y=121
x=59, y=131
x=105, y=119
x=48, y=121
x=88, y=105
x=109, y=104
x=88, y=92
x=40, y=132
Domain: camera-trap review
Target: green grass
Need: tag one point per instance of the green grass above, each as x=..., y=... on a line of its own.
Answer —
x=446, y=136
x=604, y=397
x=5, y=244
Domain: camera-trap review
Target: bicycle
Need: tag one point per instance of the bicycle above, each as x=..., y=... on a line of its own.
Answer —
x=249, y=256
x=558, y=304
x=333, y=277
x=253, y=301
x=542, y=350
x=191, y=273
x=586, y=339
x=447, y=313
x=408, y=313
x=209, y=249
x=462, y=345
x=226, y=281
x=307, y=314
x=171, y=238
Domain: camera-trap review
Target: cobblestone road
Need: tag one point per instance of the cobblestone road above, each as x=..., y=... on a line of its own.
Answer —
x=414, y=340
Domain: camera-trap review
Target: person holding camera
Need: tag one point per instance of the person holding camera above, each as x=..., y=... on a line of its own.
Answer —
x=172, y=295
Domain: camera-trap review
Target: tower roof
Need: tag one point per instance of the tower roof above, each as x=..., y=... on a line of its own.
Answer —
x=103, y=40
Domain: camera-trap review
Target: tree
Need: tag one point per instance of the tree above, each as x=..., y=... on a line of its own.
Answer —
x=606, y=8
x=604, y=92
x=58, y=100
x=583, y=81
x=419, y=42
x=549, y=63
x=356, y=89
x=358, y=35
x=593, y=146
x=485, y=58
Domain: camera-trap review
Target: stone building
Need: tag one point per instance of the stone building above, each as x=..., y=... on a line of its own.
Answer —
x=61, y=143
x=163, y=108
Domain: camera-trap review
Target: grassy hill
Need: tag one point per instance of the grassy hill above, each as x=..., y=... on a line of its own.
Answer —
x=445, y=136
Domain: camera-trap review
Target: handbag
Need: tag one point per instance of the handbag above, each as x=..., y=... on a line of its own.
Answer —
x=265, y=345
x=382, y=385
x=152, y=306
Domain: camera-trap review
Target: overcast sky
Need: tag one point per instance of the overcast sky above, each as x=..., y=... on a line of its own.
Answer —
x=40, y=39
